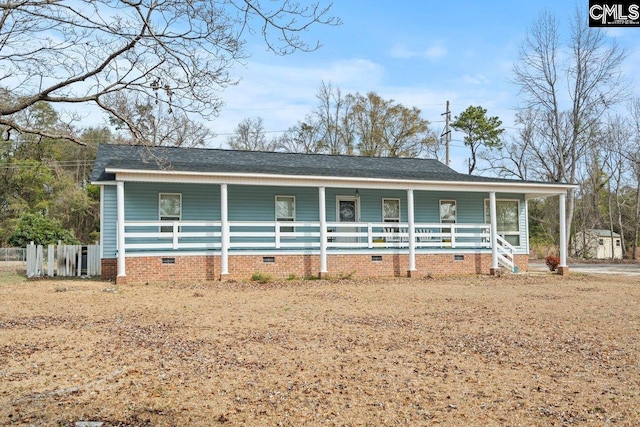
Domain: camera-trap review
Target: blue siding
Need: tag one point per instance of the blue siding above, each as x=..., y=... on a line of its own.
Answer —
x=109, y=222
x=249, y=203
x=469, y=206
x=201, y=202
x=370, y=202
x=253, y=203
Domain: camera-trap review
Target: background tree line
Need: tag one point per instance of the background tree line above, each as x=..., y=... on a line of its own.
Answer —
x=352, y=124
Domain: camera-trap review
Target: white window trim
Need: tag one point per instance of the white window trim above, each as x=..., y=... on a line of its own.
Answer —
x=399, y=210
x=277, y=219
x=505, y=233
x=455, y=202
x=340, y=198
x=160, y=214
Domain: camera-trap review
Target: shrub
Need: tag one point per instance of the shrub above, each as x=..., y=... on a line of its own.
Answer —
x=40, y=230
x=552, y=262
x=261, y=277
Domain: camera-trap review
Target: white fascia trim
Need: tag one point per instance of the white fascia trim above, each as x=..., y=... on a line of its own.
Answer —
x=531, y=189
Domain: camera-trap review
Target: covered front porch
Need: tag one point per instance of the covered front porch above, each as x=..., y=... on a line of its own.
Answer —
x=319, y=239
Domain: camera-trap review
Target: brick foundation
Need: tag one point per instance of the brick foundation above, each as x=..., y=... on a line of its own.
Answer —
x=163, y=269
x=109, y=268
x=205, y=268
x=283, y=266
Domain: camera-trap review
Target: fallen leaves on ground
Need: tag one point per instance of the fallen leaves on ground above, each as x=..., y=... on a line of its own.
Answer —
x=532, y=350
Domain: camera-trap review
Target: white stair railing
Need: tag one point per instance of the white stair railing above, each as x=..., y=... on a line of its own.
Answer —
x=506, y=254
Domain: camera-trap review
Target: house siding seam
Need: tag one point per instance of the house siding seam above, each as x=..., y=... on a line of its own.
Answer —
x=242, y=267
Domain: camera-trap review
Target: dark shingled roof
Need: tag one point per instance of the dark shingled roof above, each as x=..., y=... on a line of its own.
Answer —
x=145, y=158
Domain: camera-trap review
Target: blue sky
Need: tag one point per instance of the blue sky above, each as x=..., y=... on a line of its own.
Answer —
x=419, y=53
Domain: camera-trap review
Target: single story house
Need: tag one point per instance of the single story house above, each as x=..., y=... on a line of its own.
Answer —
x=598, y=244
x=203, y=214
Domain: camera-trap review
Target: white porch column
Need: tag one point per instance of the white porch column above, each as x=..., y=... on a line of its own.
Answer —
x=224, y=232
x=412, y=233
x=323, y=230
x=494, y=232
x=526, y=223
x=563, y=234
x=121, y=274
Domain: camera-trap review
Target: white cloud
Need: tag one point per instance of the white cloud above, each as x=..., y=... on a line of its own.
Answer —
x=432, y=52
x=282, y=95
x=475, y=79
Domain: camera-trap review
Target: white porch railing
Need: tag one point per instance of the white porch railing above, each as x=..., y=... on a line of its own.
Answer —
x=153, y=236
x=396, y=235
x=204, y=235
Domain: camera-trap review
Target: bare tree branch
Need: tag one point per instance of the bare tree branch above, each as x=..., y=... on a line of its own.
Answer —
x=565, y=91
x=178, y=52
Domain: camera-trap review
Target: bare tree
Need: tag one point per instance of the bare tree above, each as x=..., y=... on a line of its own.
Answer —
x=514, y=160
x=160, y=127
x=565, y=92
x=302, y=138
x=177, y=52
x=617, y=135
x=331, y=120
x=250, y=135
x=632, y=154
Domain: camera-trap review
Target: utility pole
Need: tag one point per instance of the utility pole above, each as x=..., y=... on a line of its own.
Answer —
x=447, y=133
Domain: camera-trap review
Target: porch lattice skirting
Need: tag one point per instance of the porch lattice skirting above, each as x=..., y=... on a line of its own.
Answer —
x=142, y=269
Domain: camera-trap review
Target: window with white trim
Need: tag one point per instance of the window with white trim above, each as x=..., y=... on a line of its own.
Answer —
x=507, y=219
x=448, y=215
x=169, y=209
x=391, y=213
x=390, y=210
x=448, y=212
x=286, y=211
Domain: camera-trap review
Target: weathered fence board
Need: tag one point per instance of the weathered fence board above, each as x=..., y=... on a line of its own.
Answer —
x=35, y=261
x=64, y=260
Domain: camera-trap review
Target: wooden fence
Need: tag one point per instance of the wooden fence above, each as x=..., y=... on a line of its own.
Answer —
x=63, y=260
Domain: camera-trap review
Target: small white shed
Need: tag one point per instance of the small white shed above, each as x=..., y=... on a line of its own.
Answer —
x=598, y=244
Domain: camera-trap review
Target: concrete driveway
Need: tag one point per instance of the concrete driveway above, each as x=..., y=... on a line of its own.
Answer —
x=626, y=269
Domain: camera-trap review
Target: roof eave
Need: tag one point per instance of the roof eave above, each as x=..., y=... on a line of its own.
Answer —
x=531, y=190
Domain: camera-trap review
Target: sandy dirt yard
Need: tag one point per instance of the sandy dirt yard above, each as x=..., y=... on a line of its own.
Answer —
x=518, y=350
